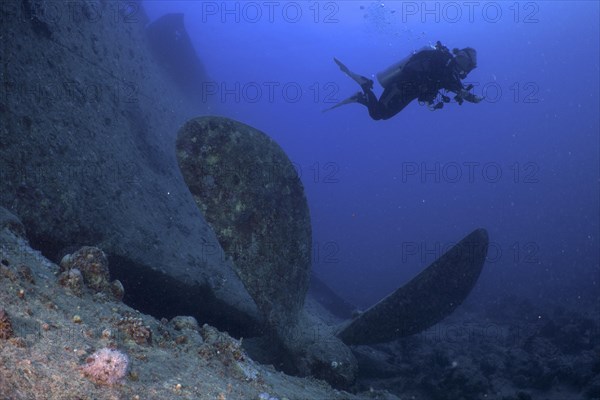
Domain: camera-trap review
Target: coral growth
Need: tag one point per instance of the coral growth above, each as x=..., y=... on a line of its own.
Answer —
x=220, y=345
x=6, y=330
x=89, y=266
x=106, y=366
x=72, y=279
x=92, y=263
x=135, y=329
x=228, y=351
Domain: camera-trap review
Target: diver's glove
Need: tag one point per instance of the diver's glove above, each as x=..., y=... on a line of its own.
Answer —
x=464, y=94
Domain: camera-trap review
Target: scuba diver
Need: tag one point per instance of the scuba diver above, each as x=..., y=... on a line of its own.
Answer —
x=419, y=76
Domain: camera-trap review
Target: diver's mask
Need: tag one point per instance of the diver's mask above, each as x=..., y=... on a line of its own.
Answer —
x=466, y=59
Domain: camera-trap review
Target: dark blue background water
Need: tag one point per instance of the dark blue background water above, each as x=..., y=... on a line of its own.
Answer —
x=388, y=197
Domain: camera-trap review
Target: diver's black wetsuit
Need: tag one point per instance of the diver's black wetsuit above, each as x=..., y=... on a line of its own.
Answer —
x=422, y=77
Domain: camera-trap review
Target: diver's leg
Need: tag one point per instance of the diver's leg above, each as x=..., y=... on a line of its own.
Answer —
x=364, y=82
x=367, y=98
x=393, y=100
x=373, y=105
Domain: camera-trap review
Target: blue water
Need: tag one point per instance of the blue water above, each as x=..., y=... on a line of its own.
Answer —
x=387, y=197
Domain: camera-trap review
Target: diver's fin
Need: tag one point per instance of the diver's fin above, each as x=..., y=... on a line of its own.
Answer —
x=426, y=299
x=355, y=98
x=364, y=82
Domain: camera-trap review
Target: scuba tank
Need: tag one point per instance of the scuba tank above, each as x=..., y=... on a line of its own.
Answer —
x=389, y=74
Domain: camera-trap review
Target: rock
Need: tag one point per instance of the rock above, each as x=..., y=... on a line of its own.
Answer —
x=135, y=329
x=93, y=265
x=181, y=323
x=89, y=266
x=12, y=222
x=73, y=280
x=187, y=330
x=117, y=289
x=6, y=329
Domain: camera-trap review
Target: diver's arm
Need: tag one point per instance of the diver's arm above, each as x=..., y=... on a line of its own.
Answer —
x=470, y=97
x=454, y=84
x=465, y=94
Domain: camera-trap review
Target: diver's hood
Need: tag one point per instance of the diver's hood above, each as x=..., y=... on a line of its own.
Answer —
x=466, y=59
